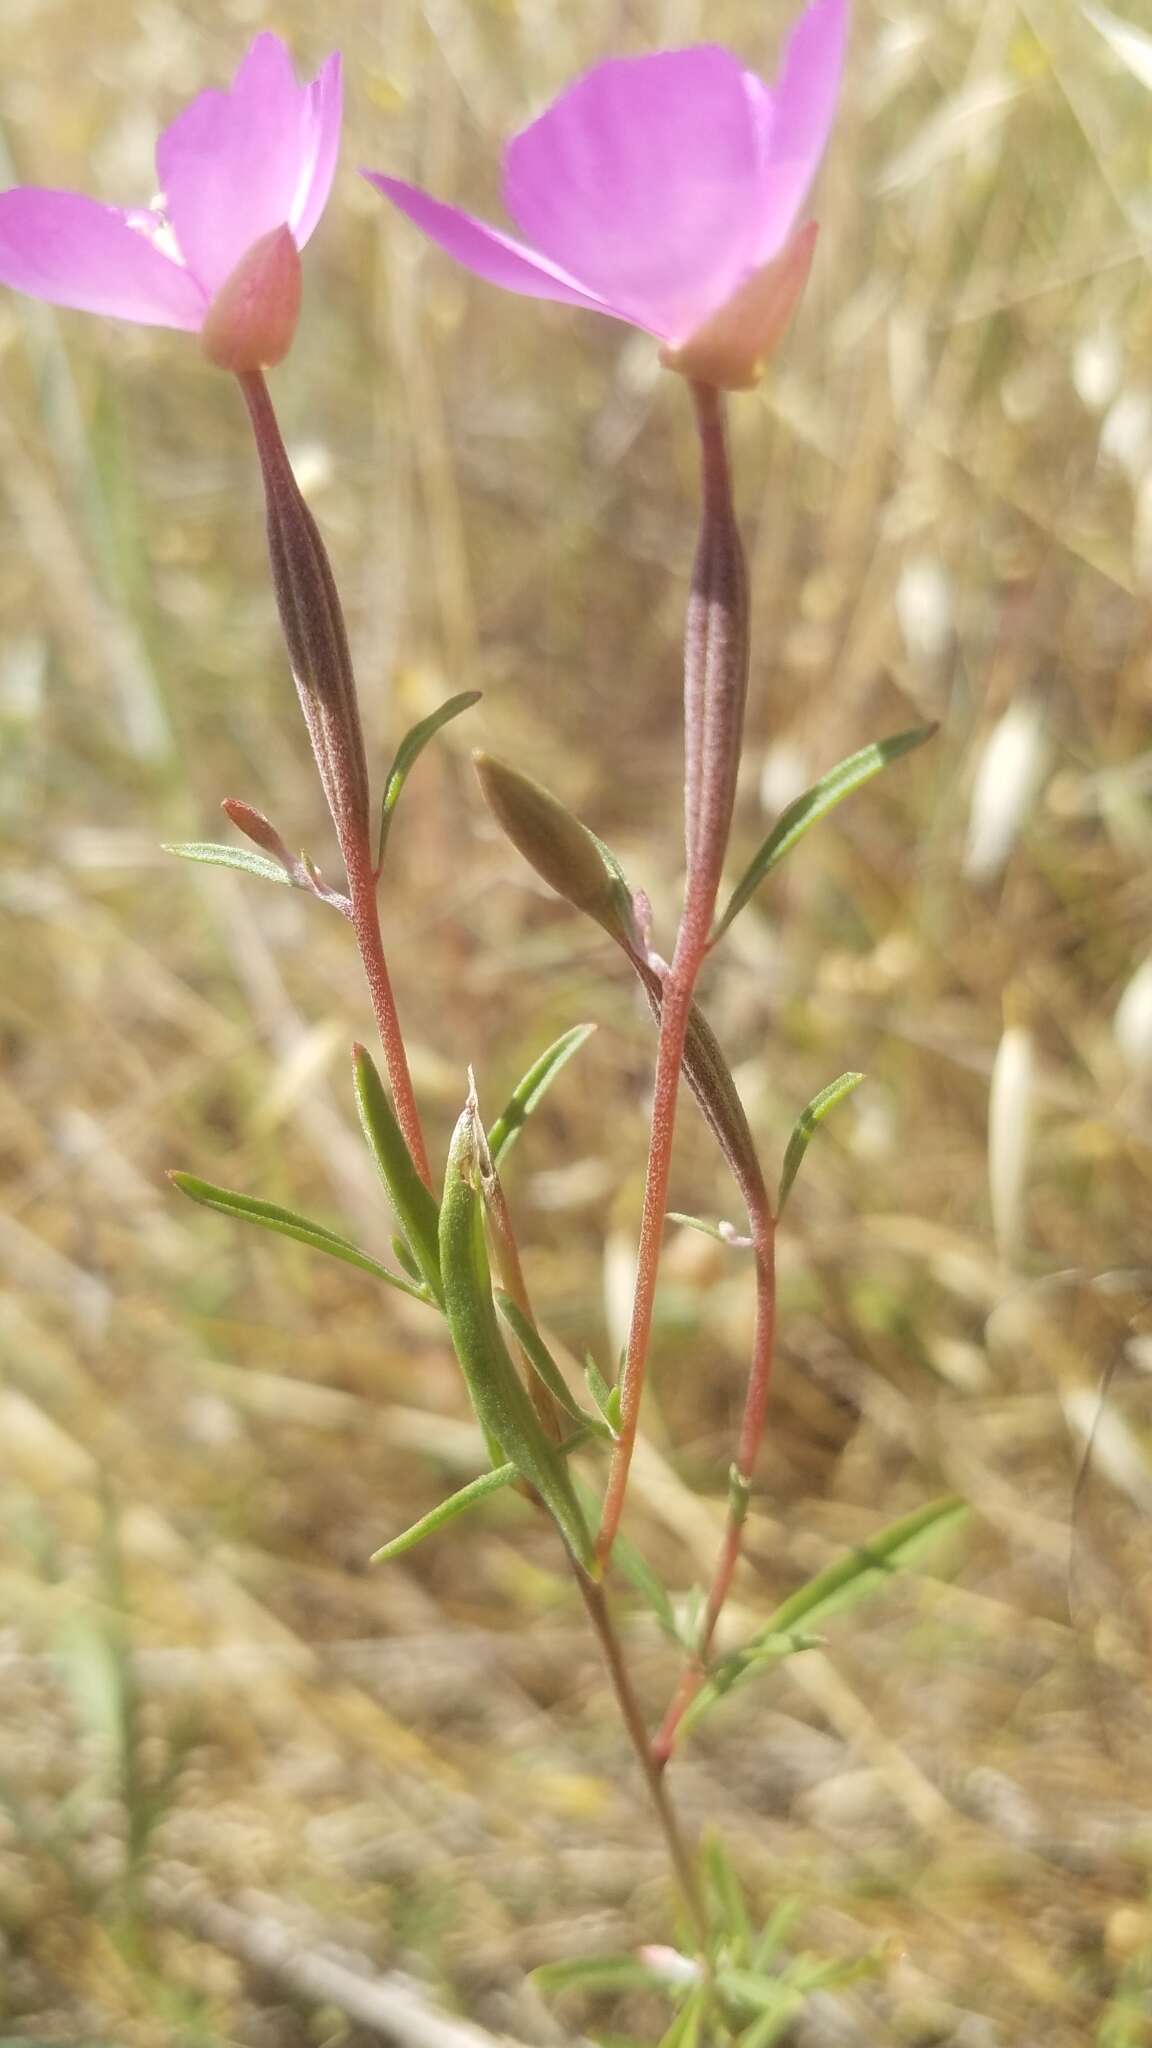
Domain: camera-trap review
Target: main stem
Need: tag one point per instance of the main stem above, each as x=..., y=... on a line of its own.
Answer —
x=630, y=1713
x=506, y=1253
x=715, y=685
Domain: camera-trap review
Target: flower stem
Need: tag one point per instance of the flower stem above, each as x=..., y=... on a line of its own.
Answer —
x=715, y=687
x=370, y=944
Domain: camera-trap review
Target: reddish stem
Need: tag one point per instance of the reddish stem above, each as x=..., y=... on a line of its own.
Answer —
x=370, y=944
x=715, y=684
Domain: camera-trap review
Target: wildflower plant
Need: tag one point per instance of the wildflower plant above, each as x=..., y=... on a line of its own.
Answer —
x=664, y=191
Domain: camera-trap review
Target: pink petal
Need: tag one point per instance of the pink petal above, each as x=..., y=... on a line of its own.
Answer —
x=644, y=180
x=484, y=249
x=805, y=97
x=324, y=106
x=72, y=251
x=234, y=165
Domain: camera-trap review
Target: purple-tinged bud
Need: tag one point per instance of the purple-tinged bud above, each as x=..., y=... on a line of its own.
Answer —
x=564, y=853
x=251, y=322
x=314, y=633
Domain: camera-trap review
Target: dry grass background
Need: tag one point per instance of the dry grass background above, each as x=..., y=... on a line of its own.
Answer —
x=210, y=1706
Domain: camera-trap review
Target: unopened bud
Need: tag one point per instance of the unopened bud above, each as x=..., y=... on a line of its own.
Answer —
x=252, y=319
x=733, y=345
x=564, y=853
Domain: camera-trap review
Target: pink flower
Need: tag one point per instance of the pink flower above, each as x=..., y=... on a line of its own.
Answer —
x=664, y=191
x=235, y=169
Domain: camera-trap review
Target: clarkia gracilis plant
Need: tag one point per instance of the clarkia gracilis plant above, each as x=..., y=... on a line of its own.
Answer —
x=665, y=191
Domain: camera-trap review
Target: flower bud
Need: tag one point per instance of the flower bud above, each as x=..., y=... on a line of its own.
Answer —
x=734, y=344
x=564, y=853
x=252, y=319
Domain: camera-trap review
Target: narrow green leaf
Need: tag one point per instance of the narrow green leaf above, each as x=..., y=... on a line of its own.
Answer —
x=607, y=1398
x=408, y=753
x=772, y=1938
x=597, y=1973
x=532, y=1089
x=816, y=802
x=759, y=1995
x=804, y=1126
x=404, y=1257
x=415, y=1205
x=685, y=2031
x=459, y=1503
x=289, y=1224
x=774, y=2024
x=448, y=1510
x=240, y=857
x=728, y=1895
x=543, y=1364
x=840, y=1586
x=497, y=1392
x=724, y=1233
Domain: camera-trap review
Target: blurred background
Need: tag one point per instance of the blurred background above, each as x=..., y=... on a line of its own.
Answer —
x=220, y=1727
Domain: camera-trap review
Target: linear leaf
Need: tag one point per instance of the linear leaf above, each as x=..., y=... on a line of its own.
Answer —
x=240, y=857
x=459, y=1503
x=841, y=1585
x=544, y=1365
x=597, y=1973
x=415, y=1205
x=804, y=1126
x=816, y=802
x=724, y=1233
x=272, y=1217
x=685, y=2029
x=448, y=1510
x=607, y=1398
x=532, y=1089
x=408, y=753
x=497, y=1392
x=732, y=1919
